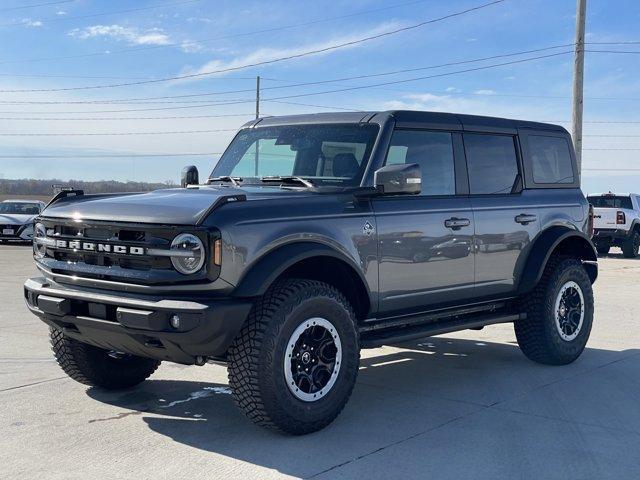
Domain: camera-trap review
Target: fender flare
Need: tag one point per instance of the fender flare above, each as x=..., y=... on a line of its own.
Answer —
x=264, y=271
x=543, y=247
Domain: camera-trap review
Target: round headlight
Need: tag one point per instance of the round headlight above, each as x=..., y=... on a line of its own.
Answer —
x=39, y=246
x=187, y=253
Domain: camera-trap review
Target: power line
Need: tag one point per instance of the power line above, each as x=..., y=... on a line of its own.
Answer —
x=268, y=62
x=110, y=155
x=286, y=97
x=81, y=134
x=613, y=149
x=613, y=136
x=24, y=7
x=93, y=15
x=224, y=37
x=293, y=85
x=179, y=117
x=317, y=106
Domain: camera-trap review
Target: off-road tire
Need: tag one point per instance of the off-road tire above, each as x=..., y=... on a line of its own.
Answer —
x=256, y=358
x=537, y=334
x=603, y=250
x=631, y=246
x=95, y=367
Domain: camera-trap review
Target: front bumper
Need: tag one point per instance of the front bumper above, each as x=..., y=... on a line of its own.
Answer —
x=140, y=326
x=21, y=233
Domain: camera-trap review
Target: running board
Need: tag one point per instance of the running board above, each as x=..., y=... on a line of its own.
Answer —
x=373, y=339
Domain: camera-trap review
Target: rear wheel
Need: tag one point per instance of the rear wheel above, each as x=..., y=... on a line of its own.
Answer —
x=559, y=314
x=631, y=246
x=294, y=364
x=98, y=367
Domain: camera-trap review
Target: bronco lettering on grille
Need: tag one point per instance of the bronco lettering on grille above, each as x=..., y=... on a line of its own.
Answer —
x=99, y=247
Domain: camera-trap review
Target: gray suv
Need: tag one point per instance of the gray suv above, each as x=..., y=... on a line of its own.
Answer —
x=316, y=236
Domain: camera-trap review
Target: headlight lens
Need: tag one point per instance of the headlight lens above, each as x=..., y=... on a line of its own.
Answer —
x=192, y=253
x=39, y=246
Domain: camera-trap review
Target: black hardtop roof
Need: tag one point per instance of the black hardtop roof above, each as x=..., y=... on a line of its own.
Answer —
x=408, y=118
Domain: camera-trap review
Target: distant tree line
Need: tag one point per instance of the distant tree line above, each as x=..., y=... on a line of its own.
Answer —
x=29, y=186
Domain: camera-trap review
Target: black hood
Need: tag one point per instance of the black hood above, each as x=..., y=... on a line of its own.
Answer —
x=179, y=206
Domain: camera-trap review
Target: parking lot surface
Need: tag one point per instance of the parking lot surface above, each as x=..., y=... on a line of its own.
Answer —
x=465, y=405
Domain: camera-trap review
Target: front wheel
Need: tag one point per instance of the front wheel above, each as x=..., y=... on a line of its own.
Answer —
x=631, y=246
x=98, y=367
x=559, y=314
x=294, y=364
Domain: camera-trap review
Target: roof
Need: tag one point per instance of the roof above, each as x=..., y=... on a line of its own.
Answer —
x=439, y=120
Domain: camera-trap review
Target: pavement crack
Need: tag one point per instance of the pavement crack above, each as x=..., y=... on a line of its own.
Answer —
x=32, y=384
x=119, y=416
x=398, y=442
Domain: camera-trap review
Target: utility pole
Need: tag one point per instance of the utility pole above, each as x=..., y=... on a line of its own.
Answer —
x=257, y=154
x=578, y=81
x=257, y=97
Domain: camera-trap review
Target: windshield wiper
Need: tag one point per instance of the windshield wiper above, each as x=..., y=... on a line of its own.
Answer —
x=288, y=179
x=235, y=181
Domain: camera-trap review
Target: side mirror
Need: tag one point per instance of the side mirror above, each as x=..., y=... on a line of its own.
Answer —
x=189, y=176
x=404, y=178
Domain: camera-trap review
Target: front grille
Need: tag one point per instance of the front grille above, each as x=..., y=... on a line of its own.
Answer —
x=130, y=264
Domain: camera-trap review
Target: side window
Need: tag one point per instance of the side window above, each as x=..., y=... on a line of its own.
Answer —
x=433, y=151
x=492, y=163
x=550, y=159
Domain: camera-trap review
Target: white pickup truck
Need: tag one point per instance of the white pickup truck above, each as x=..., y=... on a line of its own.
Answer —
x=616, y=222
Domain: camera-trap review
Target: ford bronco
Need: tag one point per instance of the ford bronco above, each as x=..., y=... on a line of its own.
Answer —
x=316, y=236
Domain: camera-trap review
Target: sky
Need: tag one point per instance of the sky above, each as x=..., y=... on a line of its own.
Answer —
x=54, y=53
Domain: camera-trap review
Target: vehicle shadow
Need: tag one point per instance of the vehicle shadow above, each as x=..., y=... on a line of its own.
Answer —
x=402, y=393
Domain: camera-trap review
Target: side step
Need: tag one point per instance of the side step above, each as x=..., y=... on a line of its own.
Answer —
x=373, y=339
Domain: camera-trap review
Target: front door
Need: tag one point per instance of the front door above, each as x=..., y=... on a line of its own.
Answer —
x=425, y=241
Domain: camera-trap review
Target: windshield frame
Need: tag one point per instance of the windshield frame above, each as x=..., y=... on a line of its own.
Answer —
x=318, y=181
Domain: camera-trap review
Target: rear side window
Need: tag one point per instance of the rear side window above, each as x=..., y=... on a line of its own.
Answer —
x=433, y=151
x=550, y=159
x=611, y=201
x=492, y=163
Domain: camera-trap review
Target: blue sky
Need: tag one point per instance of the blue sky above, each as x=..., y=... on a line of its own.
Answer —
x=84, y=43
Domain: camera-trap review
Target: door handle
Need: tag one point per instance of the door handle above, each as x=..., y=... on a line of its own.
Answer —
x=525, y=218
x=457, y=223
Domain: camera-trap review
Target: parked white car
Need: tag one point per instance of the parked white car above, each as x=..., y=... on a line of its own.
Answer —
x=16, y=219
x=616, y=222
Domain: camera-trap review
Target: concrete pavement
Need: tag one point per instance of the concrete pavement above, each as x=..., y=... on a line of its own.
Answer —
x=465, y=405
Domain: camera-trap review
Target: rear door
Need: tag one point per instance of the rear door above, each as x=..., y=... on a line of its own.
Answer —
x=425, y=241
x=505, y=216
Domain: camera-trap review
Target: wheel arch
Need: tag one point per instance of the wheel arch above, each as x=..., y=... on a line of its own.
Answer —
x=309, y=260
x=557, y=240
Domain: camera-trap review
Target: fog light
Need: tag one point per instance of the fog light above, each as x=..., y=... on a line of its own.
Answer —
x=175, y=321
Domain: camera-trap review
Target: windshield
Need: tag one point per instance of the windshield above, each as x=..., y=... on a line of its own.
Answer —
x=610, y=201
x=19, y=208
x=325, y=154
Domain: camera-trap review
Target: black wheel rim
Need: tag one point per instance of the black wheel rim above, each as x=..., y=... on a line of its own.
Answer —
x=312, y=360
x=569, y=311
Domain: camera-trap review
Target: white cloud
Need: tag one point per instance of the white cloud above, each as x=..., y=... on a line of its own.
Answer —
x=133, y=36
x=484, y=92
x=61, y=12
x=452, y=89
x=267, y=54
x=28, y=22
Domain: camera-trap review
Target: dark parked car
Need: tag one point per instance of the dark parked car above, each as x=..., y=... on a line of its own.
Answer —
x=316, y=236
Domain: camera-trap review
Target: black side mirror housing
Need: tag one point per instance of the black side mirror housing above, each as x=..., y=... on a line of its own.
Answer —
x=400, y=179
x=189, y=176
